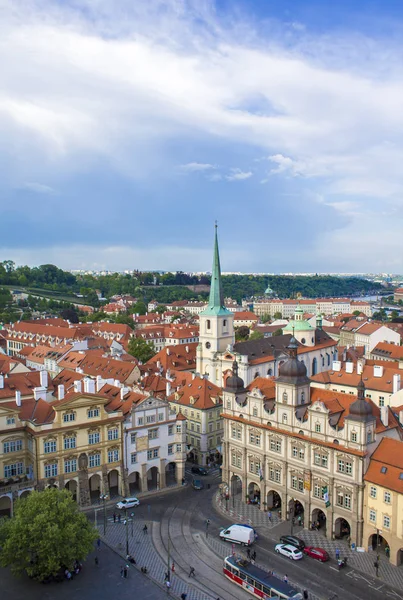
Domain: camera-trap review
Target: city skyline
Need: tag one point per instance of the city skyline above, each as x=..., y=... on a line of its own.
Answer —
x=127, y=131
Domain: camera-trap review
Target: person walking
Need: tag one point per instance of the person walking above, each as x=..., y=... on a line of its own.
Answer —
x=119, y=518
x=168, y=584
x=166, y=576
x=254, y=555
x=125, y=571
x=269, y=515
x=173, y=567
x=145, y=529
x=248, y=553
x=305, y=594
x=192, y=572
x=184, y=596
x=96, y=561
x=114, y=517
x=121, y=572
x=337, y=554
x=99, y=543
x=285, y=578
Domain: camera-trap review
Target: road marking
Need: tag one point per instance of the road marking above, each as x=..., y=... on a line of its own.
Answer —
x=334, y=568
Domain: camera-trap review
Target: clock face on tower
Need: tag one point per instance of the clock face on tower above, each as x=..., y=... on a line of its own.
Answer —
x=208, y=345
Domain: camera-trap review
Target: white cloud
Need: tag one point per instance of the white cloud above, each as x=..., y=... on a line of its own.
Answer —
x=238, y=175
x=195, y=166
x=39, y=188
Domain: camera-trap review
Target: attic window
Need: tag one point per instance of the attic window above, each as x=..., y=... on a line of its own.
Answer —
x=401, y=476
x=384, y=469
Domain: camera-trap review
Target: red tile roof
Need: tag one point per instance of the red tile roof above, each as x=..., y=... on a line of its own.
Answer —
x=386, y=465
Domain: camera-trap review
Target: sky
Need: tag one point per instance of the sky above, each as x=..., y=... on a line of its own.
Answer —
x=127, y=128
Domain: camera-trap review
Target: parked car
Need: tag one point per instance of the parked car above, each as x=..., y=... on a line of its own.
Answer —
x=289, y=551
x=317, y=553
x=199, y=470
x=293, y=541
x=239, y=534
x=197, y=484
x=127, y=503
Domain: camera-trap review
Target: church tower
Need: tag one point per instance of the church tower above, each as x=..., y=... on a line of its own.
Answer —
x=216, y=323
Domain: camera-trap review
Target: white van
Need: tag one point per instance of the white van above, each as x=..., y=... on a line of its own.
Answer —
x=239, y=534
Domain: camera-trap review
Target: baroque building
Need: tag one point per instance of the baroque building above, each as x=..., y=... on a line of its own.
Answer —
x=301, y=450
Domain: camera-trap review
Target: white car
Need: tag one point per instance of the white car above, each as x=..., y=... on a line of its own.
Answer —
x=127, y=503
x=289, y=551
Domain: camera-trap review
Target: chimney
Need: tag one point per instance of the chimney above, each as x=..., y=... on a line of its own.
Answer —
x=168, y=352
x=123, y=392
x=39, y=392
x=99, y=382
x=187, y=349
x=77, y=387
x=43, y=379
x=401, y=418
x=18, y=398
x=60, y=391
x=384, y=415
x=396, y=383
x=336, y=365
x=158, y=364
x=359, y=367
x=349, y=367
x=378, y=370
x=117, y=383
x=1, y=382
x=193, y=375
x=169, y=391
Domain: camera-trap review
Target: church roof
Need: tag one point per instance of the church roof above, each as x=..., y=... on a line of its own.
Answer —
x=216, y=305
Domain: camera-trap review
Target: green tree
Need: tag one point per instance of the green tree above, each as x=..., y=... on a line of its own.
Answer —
x=356, y=313
x=256, y=335
x=139, y=308
x=277, y=315
x=265, y=318
x=160, y=309
x=278, y=332
x=141, y=349
x=242, y=333
x=47, y=532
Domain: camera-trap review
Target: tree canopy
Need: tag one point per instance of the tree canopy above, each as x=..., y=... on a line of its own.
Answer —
x=141, y=349
x=46, y=533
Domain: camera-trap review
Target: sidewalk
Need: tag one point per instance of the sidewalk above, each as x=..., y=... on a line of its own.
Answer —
x=362, y=561
x=112, y=501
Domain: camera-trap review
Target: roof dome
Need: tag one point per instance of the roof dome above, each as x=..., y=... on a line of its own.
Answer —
x=293, y=370
x=360, y=408
x=234, y=383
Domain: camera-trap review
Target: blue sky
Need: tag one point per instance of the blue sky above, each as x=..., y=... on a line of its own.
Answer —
x=127, y=128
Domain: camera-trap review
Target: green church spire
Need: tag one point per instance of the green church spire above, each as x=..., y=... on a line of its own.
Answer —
x=216, y=299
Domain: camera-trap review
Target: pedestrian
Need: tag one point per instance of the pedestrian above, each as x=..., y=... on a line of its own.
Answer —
x=376, y=565
x=114, y=517
x=269, y=515
x=144, y=570
x=305, y=594
x=248, y=553
x=125, y=571
x=96, y=561
x=145, y=529
x=119, y=518
x=121, y=572
x=98, y=543
x=192, y=572
x=285, y=578
x=337, y=554
x=168, y=584
x=166, y=576
x=184, y=596
x=254, y=555
x=173, y=567
x=207, y=523
x=387, y=551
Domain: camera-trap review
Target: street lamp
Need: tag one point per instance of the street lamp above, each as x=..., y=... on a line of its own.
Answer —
x=132, y=516
x=104, y=497
x=127, y=534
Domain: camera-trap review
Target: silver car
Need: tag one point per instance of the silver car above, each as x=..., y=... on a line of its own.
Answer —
x=289, y=551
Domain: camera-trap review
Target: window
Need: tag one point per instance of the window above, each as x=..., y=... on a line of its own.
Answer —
x=197, y=427
x=133, y=457
x=298, y=452
x=113, y=456
x=92, y=413
x=254, y=438
x=70, y=466
x=318, y=491
x=275, y=445
x=179, y=428
x=387, y=497
x=236, y=461
x=229, y=404
x=69, y=443
x=320, y=459
x=297, y=483
x=372, y=491
x=254, y=466
x=386, y=521
x=93, y=438
x=284, y=418
x=113, y=434
x=13, y=446
x=254, y=412
x=150, y=419
x=344, y=466
x=133, y=437
x=275, y=474
x=49, y=446
x=94, y=460
x=372, y=516
x=344, y=500
x=10, y=420
x=179, y=447
x=353, y=436
x=170, y=429
x=285, y=397
x=140, y=421
x=153, y=434
x=51, y=470
x=160, y=416
x=381, y=400
x=152, y=453
x=317, y=428
x=236, y=432
x=369, y=437
x=208, y=324
x=13, y=470
x=69, y=416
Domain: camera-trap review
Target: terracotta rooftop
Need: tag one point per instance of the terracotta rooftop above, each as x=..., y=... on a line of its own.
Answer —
x=392, y=351
x=199, y=393
x=384, y=383
x=386, y=465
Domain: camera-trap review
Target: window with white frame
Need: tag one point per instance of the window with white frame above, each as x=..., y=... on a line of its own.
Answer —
x=12, y=446
x=133, y=458
x=179, y=447
x=70, y=465
x=317, y=428
x=285, y=397
x=140, y=421
x=298, y=452
x=92, y=413
x=70, y=442
x=320, y=459
x=13, y=470
x=236, y=460
x=344, y=499
x=93, y=438
x=381, y=401
x=151, y=454
x=49, y=446
x=386, y=521
x=113, y=434
x=344, y=466
x=10, y=421
x=275, y=445
x=297, y=483
x=153, y=434
x=69, y=416
x=229, y=404
x=284, y=418
x=372, y=491
x=254, y=411
x=160, y=416
x=170, y=448
x=178, y=428
x=133, y=438
x=113, y=455
x=170, y=429
x=94, y=460
x=318, y=491
x=150, y=419
x=275, y=474
x=254, y=466
x=51, y=470
x=372, y=516
x=387, y=497
x=353, y=436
